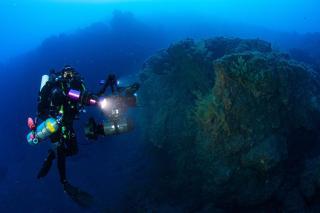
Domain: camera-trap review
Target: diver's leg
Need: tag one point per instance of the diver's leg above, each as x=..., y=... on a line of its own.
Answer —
x=71, y=143
x=46, y=164
x=67, y=147
x=51, y=156
x=61, y=161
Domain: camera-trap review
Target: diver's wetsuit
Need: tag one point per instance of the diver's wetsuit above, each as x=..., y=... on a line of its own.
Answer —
x=53, y=102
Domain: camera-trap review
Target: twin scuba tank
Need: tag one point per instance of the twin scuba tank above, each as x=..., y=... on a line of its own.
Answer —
x=46, y=128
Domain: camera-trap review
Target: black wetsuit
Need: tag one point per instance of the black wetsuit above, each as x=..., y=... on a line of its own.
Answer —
x=53, y=101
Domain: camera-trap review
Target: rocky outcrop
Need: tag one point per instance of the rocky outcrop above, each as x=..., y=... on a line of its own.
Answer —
x=235, y=123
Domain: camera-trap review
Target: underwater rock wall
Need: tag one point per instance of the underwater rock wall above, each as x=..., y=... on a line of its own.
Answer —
x=235, y=125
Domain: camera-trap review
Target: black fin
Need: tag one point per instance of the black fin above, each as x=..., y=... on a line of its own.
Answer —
x=46, y=165
x=83, y=199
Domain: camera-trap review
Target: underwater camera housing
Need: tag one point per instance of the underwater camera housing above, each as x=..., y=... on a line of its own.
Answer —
x=114, y=107
x=107, y=128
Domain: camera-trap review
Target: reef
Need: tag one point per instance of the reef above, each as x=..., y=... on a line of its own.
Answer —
x=234, y=125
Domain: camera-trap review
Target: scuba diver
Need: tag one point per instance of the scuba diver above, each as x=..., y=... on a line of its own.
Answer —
x=62, y=97
x=58, y=107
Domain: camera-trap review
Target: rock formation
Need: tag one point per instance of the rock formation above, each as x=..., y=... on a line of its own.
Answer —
x=235, y=123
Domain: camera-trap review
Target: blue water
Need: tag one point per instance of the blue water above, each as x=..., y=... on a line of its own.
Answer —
x=98, y=37
x=24, y=24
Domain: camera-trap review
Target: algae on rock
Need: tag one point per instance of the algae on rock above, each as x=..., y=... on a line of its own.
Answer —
x=226, y=114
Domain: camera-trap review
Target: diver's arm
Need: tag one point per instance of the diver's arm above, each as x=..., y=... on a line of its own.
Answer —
x=87, y=98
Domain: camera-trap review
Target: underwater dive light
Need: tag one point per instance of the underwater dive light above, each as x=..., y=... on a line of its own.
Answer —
x=75, y=95
x=104, y=103
x=92, y=101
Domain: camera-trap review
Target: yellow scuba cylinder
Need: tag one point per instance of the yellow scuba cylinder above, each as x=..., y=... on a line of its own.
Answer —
x=43, y=131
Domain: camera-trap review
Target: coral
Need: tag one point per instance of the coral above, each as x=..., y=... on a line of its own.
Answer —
x=229, y=116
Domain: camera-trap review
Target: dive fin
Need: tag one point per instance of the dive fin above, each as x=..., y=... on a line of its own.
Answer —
x=46, y=166
x=83, y=199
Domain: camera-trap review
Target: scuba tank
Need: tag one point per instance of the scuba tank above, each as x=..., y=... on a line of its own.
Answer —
x=43, y=131
x=46, y=128
x=44, y=80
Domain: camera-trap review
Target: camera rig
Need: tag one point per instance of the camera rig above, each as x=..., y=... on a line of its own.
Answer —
x=114, y=106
